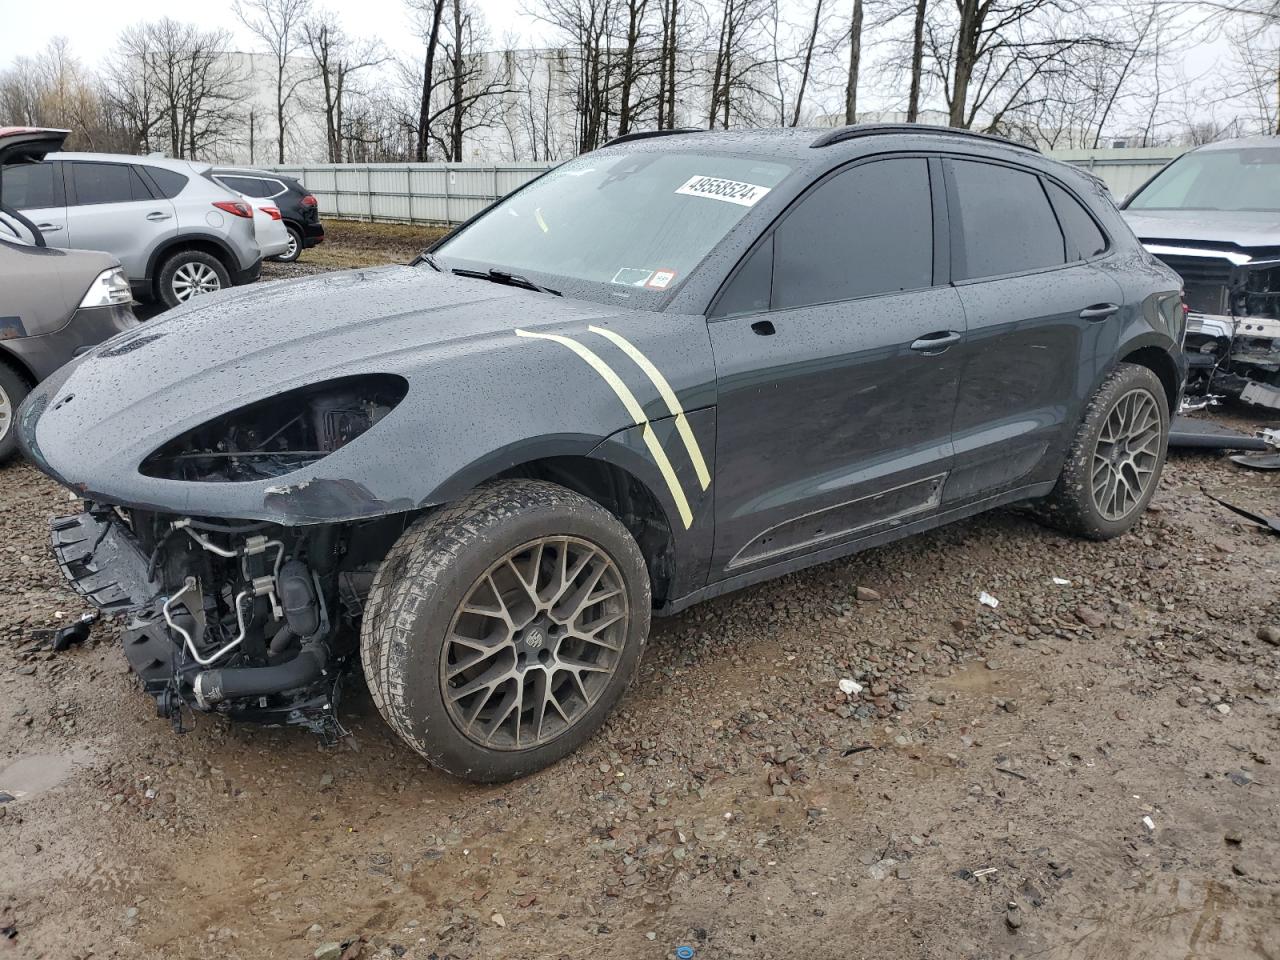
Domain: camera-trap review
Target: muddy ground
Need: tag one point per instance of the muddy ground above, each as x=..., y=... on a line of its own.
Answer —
x=1088, y=770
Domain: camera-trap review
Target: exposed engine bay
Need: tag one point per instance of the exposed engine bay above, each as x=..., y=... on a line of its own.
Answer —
x=252, y=620
x=1233, y=328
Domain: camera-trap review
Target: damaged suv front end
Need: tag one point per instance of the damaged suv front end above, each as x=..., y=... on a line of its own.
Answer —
x=1213, y=215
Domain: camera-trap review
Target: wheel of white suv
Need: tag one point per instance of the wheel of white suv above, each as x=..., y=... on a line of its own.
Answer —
x=501, y=631
x=191, y=273
x=1113, y=465
x=294, y=250
x=13, y=390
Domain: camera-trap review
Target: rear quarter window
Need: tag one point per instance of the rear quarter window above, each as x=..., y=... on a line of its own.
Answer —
x=1084, y=238
x=170, y=183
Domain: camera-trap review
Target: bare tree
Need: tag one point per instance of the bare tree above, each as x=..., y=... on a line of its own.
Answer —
x=279, y=25
x=337, y=58
x=429, y=17
x=855, y=64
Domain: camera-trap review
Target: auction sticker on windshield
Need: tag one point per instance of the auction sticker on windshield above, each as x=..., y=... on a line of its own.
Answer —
x=730, y=191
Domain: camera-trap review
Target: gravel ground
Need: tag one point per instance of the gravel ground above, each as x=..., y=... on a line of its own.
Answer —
x=1087, y=770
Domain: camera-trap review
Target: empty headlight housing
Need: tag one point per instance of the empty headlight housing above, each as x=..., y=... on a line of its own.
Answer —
x=280, y=434
x=109, y=288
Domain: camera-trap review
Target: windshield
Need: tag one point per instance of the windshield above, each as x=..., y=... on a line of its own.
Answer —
x=1245, y=179
x=634, y=223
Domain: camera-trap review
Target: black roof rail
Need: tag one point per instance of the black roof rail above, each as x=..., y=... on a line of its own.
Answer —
x=646, y=134
x=841, y=134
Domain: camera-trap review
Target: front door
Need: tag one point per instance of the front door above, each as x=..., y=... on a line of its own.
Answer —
x=35, y=190
x=835, y=348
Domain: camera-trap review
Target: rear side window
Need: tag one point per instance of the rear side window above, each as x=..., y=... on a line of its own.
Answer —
x=1084, y=239
x=865, y=231
x=107, y=183
x=1004, y=222
x=169, y=182
x=252, y=186
x=29, y=186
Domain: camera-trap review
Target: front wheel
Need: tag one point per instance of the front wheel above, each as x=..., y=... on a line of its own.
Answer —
x=501, y=631
x=1114, y=463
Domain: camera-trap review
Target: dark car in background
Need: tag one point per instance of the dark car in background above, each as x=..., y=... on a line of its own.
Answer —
x=297, y=205
x=1213, y=215
x=665, y=370
x=54, y=304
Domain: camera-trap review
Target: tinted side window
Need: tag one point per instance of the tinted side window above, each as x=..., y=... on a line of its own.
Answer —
x=866, y=231
x=749, y=290
x=170, y=182
x=241, y=185
x=1005, y=222
x=1084, y=239
x=107, y=183
x=29, y=187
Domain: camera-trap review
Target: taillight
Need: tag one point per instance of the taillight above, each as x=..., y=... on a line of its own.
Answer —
x=271, y=212
x=309, y=201
x=236, y=208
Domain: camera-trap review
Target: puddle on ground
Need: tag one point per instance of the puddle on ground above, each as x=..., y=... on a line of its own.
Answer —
x=28, y=776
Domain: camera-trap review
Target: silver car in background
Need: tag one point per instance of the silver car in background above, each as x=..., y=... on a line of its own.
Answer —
x=1213, y=215
x=176, y=232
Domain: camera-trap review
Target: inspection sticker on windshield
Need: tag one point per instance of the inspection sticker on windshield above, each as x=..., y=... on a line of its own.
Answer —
x=730, y=191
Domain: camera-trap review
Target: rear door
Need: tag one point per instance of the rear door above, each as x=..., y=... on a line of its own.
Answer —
x=1041, y=320
x=835, y=349
x=110, y=207
x=35, y=189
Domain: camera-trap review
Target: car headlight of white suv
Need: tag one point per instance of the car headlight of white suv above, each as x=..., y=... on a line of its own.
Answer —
x=109, y=288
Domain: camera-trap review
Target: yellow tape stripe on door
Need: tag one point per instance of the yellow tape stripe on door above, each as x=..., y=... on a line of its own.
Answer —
x=637, y=414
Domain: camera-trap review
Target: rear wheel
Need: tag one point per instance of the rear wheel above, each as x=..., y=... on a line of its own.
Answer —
x=191, y=273
x=294, y=250
x=13, y=390
x=501, y=631
x=1114, y=464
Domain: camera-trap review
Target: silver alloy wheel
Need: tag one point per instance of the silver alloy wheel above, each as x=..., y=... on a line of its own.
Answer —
x=534, y=643
x=194, y=278
x=1126, y=455
x=291, y=251
x=6, y=413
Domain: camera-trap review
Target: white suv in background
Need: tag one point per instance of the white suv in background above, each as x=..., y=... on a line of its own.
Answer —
x=177, y=233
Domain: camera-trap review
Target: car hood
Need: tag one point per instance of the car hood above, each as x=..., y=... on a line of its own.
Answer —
x=93, y=422
x=1244, y=228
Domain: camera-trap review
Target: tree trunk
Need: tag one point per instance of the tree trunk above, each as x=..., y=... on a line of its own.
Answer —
x=459, y=107
x=855, y=63
x=808, y=61
x=966, y=56
x=917, y=61
x=428, y=69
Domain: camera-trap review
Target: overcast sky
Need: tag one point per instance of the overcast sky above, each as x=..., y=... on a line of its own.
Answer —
x=93, y=25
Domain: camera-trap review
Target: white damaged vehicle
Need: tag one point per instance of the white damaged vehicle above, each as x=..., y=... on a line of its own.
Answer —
x=1213, y=215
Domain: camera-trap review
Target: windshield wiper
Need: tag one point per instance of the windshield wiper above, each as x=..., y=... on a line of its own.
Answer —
x=429, y=259
x=494, y=275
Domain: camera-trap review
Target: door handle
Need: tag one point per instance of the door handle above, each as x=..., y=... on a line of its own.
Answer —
x=1099, y=311
x=763, y=328
x=49, y=227
x=935, y=343
x=157, y=215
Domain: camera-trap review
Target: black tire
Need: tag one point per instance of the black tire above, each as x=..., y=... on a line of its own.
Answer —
x=1072, y=506
x=419, y=591
x=13, y=390
x=294, y=252
x=172, y=284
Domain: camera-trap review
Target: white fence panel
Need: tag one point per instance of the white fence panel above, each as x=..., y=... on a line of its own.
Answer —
x=449, y=193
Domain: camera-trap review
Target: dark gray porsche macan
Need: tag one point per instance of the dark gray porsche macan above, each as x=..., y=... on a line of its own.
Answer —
x=664, y=370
